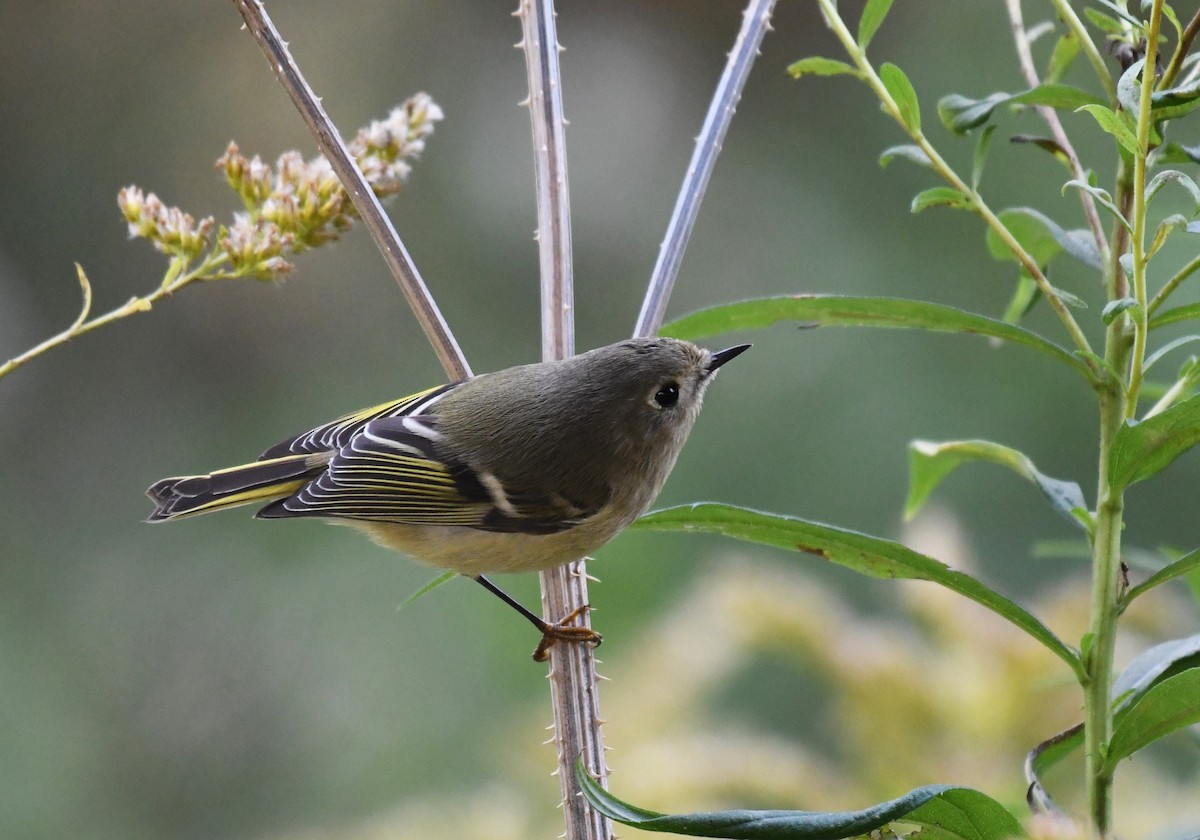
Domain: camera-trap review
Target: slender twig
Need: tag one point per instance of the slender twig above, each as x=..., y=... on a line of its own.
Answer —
x=1141, y=315
x=1050, y=117
x=756, y=20
x=1181, y=50
x=1172, y=284
x=363, y=197
x=573, y=680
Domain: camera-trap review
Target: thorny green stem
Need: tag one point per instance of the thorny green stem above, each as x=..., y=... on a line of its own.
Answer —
x=940, y=166
x=1140, y=316
x=175, y=279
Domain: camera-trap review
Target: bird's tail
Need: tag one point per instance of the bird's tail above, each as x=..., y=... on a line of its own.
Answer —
x=273, y=478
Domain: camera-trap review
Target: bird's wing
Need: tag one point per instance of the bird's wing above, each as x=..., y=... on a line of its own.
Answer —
x=392, y=471
x=338, y=433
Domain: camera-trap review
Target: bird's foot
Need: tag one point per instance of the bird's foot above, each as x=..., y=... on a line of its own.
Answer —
x=564, y=630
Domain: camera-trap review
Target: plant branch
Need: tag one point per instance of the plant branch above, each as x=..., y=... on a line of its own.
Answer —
x=1050, y=117
x=1140, y=314
x=756, y=20
x=361, y=195
x=939, y=165
x=1181, y=50
x=574, y=682
x=175, y=280
x=1171, y=285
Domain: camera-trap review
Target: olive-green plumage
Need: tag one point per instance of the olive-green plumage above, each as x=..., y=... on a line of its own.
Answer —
x=518, y=470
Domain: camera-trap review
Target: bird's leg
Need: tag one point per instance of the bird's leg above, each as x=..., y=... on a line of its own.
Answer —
x=562, y=630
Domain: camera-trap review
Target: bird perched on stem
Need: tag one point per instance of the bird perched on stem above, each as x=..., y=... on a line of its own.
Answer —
x=518, y=470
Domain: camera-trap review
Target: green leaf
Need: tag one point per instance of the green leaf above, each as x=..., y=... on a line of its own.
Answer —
x=1047, y=144
x=1176, y=153
x=1044, y=756
x=1167, y=348
x=819, y=66
x=948, y=813
x=1141, y=449
x=1187, y=312
x=1115, y=307
x=427, y=588
x=1042, y=237
x=1024, y=296
x=1066, y=49
x=1115, y=124
x=960, y=114
x=1122, y=13
x=929, y=463
x=872, y=16
x=941, y=197
x=1169, y=176
x=1129, y=87
x=980, y=158
x=1152, y=666
x=1167, y=706
x=901, y=91
x=907, y=151
x=1175, y=102
x=1103, y=22
x=864, y=554
x=1178, y=568
x=837, y=311
x=1165, y=228
x=1101, y=196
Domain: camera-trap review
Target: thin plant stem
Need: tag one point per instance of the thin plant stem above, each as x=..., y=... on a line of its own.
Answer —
x=939, y=165
x=1138, y=244
x=756, y=20
x=1050, y=117
x=175, y=280
x=574, y=683
x=361, y=195
x=1171, y=285
x=1181, y=50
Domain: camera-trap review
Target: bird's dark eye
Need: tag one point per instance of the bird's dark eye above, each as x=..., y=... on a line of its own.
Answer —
x=668, y=395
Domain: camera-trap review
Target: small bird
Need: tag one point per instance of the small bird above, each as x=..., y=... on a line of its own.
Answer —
x=519, y=470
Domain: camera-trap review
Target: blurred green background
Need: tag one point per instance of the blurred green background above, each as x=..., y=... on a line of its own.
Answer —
x=228, y=678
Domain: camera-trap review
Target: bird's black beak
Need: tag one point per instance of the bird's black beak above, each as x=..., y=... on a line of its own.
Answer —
x=722, y=356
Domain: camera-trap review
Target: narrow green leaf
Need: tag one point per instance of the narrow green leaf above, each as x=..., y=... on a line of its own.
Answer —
x=427, y=588
x=980, y=158
x=1057, y=96
x=1115, y=307
x=1044, y=756
x=1025, y=294
x=1165, y=228
x=837, y=311
x=1129, y=87
x=1176, y=102
x=907, y=151
x=1115, y=124
x=901, y=91
x=1187, y=312
x=1047, y=144
x=1103, y=22
x=1102, y=197
x=1167, y=348
x=1174, y=176
x=940, y=197
x=1153, y=665
x=1174, y=18
x=1141, y=449
x=960, y=114
x=1178, y=568
x=929, y=463
x=872, y=16
x=948, y=813
x=819, y=66
x=1122, y=13
x=1176, y=153
x=1167, y=706
x=865, y=554
x=1066, y=49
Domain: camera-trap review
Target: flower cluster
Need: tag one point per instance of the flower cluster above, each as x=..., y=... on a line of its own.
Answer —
x=293, y=206
x=171, y=230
